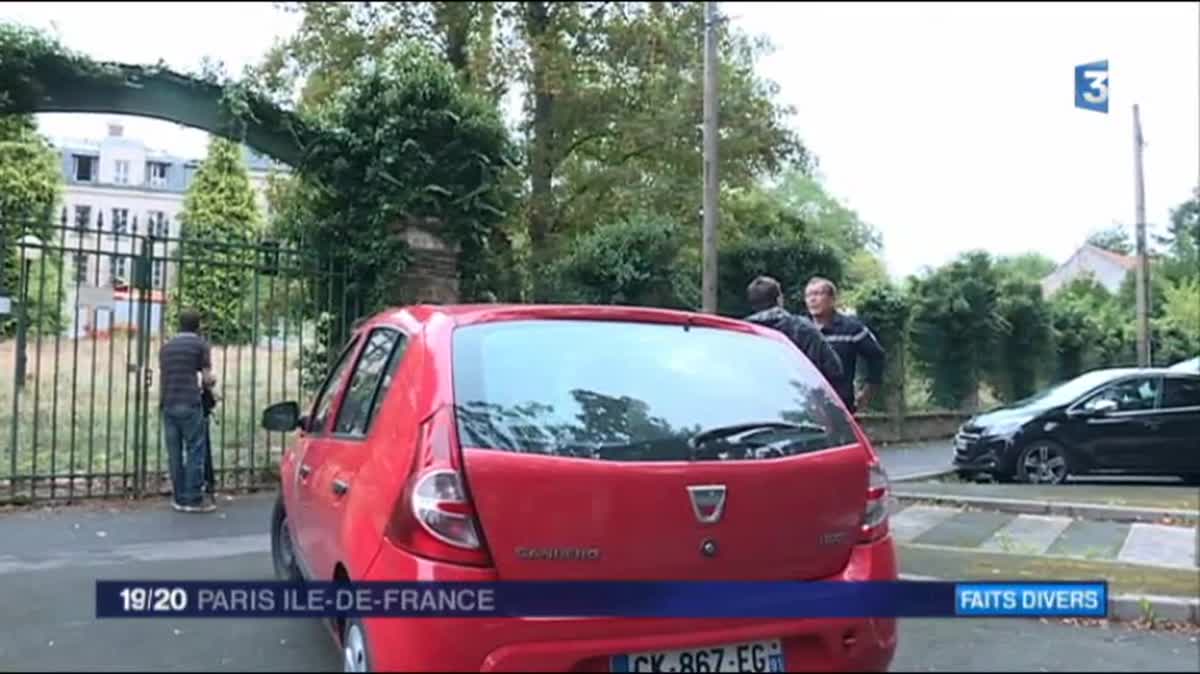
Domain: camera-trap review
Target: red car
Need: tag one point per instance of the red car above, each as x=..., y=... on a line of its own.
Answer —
x=493, y=443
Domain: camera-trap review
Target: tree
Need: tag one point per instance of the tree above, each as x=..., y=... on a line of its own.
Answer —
x=1114, y=239
x=1178, y=331
x=220, y=225
x=612, y=94
x=1182, y=241
x=956, y=328
x=30, y=188
x=791, y=260
x=1025, y=339
x=1026, y=266
x=633, y=262
x=404, y=146
x=826, y=218
x=886, y=311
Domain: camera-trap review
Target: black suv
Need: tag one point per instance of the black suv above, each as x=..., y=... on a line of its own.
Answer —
x=1119, y=421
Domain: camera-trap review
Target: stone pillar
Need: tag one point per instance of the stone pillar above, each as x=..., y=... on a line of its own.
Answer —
x=432, y=274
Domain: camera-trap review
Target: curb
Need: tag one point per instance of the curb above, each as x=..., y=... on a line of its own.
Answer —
x=918, y=477
x=1130, y=607
x=1088, y=511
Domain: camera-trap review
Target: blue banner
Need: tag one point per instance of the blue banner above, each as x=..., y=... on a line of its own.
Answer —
x=732, y=599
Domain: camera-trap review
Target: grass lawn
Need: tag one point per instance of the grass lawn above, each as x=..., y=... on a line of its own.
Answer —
x=77, y=412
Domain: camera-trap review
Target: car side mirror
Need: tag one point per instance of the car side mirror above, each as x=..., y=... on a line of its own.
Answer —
x=283, y=417
x=1099, y=409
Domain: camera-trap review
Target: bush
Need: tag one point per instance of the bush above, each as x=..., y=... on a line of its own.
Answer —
x=637, y=262
x=402, y=144
x=956, y=328
x=886, y=311
x=792, y=260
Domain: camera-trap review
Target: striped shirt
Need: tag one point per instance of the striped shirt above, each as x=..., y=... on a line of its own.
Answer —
x=851, y=339
x=180, y=362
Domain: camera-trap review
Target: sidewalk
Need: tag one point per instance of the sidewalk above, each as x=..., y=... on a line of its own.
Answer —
x=1150, y=567
x=1165, y=497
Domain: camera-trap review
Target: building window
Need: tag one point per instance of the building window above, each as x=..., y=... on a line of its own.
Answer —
x=158, y=270
x=120, y=220
x=156, y=174
x=156, y=224
x=83, y=218
x=85, y=168
x=121, y=172
x=120, y=267
x=81, y=268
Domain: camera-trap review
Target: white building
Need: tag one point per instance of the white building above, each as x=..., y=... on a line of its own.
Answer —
x=1108, y=268
x=117, y=191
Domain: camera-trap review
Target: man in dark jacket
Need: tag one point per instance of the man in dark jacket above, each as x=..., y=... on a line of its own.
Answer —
x=766, y=300
x=850, y=338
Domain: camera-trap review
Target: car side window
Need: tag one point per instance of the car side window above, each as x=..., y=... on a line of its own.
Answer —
x=1131, y=395
x=333, y=385
x=1181, y=392
x=365, y=389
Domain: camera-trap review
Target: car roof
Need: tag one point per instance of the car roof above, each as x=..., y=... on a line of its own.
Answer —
x=1118, y=372
x=467, y=314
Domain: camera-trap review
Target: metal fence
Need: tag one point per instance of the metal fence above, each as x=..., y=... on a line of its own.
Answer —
x=88, y=313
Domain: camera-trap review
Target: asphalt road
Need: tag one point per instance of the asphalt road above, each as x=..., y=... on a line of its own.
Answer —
x=916, y=458
x=49, y=562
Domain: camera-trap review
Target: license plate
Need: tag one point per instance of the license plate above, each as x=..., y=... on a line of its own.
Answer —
x=760, y=656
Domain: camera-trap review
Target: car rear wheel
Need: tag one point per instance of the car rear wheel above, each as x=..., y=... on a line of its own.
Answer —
x=356, y=656
x=1042, y=462
x=283, y=551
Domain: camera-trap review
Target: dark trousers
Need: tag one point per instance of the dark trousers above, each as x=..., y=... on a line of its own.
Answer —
x=185, y=431
x=208, y=457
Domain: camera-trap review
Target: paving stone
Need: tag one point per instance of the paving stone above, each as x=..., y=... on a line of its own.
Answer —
x=916, y=520
x=1160, y=545
x=966, y=529
x=1091, y=540
x=1027, y=534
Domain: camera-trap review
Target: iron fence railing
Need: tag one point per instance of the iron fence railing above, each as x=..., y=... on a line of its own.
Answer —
x=87, y=313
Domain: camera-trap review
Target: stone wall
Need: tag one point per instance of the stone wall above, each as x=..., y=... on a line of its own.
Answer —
x=915, y=427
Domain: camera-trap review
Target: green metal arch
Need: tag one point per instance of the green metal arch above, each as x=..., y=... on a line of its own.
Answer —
x=157, y=93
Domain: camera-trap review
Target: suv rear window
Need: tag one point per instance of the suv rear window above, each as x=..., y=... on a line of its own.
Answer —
x=638, y=392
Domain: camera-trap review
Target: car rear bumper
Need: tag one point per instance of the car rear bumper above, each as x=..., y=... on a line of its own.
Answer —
x=586, y=645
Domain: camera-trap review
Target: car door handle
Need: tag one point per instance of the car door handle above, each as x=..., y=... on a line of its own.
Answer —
x=340, y=487
x=305, y=471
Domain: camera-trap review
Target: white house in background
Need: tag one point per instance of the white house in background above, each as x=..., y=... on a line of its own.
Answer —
x=115, y=190
x=1108, y=268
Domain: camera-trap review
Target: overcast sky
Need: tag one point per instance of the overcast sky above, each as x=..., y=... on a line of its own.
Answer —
x=948, y=126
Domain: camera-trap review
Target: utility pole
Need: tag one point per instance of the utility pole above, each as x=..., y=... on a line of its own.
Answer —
x=1143, y=264
x=711, y=177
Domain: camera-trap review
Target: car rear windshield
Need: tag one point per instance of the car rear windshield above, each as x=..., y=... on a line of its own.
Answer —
x=639, y=392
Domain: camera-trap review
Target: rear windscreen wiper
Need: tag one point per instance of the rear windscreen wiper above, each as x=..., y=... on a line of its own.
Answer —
x=720, y=432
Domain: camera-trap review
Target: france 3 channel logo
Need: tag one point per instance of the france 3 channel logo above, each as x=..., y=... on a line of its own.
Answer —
x=1091, y=86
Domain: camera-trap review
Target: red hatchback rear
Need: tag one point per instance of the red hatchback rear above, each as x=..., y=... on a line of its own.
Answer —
x=592, y=443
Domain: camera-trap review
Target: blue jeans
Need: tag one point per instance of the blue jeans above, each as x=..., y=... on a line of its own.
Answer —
x=183, y=426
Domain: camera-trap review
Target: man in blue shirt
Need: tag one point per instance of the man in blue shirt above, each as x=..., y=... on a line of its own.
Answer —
x=186, y=366
x=850, y=338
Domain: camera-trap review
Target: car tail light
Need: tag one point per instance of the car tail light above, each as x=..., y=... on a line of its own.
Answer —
x=434, y=517
x=875, y=515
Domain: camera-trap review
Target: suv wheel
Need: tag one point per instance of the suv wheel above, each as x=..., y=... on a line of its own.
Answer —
x=283, y=551
x=1042, y=462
